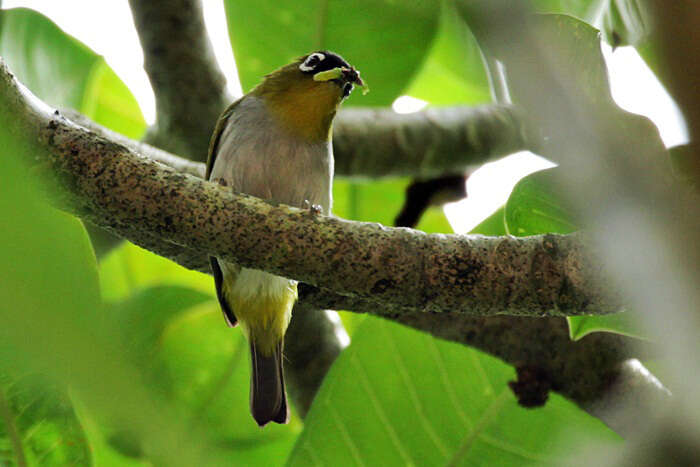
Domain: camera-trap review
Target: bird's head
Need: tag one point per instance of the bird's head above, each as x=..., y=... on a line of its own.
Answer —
x=306, y=93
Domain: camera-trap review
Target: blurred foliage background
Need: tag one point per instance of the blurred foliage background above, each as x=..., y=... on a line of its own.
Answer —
x=127, y=361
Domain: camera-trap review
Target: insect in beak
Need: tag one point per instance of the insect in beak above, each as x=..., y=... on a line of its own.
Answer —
x=347, y=75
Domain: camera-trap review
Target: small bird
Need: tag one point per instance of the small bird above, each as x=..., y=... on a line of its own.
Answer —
x=275, y=143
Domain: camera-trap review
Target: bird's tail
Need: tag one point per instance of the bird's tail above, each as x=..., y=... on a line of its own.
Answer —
x=268, y=399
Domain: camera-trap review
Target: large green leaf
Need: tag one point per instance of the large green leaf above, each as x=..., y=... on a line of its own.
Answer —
x=453, y=72
x=48, y=274
x=64, y=72
x=386, y=40
x=400, y=397
x=537, y=206
x=38, y=424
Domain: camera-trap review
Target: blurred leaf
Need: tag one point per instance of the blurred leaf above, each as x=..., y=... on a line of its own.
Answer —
x=130, y=268
x=109, y=102
x=626, y=22
x=387, y=40
x=51, y=320
x=580, y=44
x=205, y=365
x=143, y=316
x=434, y=221
x=585, y=10
x=48, y=273
x=37, y=415
x=453, y=72
x=535, y=207
x=494, y=225
x=64, y=72
x=398, y=396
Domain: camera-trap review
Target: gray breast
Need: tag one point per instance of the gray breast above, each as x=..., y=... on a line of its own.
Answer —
x=256, y=156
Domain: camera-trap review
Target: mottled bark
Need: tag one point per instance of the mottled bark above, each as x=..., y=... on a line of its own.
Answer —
x=153, y=205
x=190, y=89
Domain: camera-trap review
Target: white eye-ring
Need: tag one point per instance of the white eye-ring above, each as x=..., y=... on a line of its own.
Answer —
x=311, y=61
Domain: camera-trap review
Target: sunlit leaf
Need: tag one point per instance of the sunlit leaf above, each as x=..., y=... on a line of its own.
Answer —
x=65, y=73
x=386, y=40
x=453, y=71
x=400, y=397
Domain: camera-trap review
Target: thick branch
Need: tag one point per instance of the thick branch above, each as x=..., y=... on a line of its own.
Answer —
x=185, y=218
x=165, y=210
x=188, y=85
x=380, y=142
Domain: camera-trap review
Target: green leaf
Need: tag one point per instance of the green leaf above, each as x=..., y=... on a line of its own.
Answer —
x=535, y=206
x=493, y=226
x=619, y=323
x=387, y=40
x=38, y=423
x=64, y=72
x=453, y=72
x=397, y=396
x=49, y=274
x=143, y=316
x=130, y=268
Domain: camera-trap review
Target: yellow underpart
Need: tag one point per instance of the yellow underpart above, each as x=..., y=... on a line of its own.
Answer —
x=264, y=317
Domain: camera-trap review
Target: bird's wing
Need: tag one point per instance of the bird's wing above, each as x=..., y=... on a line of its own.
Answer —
x=216, y=136
x=231, y=319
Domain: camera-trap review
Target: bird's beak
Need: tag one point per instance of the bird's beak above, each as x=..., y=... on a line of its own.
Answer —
x=346, y=75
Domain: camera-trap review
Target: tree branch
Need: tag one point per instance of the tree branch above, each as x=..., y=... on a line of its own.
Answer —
x=396, y=273
x=187, y=219
x=380, y=142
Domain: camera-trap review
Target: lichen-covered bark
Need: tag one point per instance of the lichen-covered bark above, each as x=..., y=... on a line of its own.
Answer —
x=188, y=85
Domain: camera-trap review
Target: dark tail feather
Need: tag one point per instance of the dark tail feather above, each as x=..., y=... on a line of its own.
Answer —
x=268, y=400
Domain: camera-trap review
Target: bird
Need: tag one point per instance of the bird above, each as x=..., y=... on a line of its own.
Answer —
x=275, y=143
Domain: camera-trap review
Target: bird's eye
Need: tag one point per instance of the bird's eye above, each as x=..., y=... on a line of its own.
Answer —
x=312, y=61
